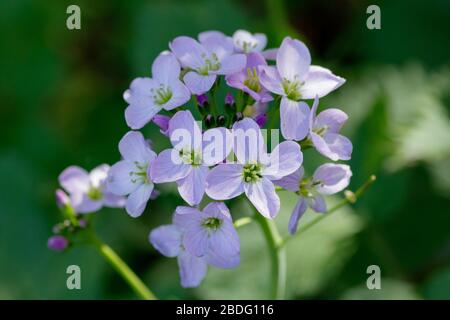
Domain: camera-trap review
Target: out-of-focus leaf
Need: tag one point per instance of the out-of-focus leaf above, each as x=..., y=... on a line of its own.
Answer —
x=438, y=286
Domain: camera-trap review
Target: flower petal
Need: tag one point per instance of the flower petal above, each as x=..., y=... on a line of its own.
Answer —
x=317, y=203
x=199, y=84
x=249, y=145
x=224, y=247
x=134, y=147
x=217, y=145
x=83, y=204
x=291, y=182
x=120, y=181
x=167, y=240
x=225, y=181
x=74, y=179
x=270, y=79
x=332, y=118
x=333, y=178
x=192, y=269
x=320, y=82
x=166, y=68
x=232, y=64
x=184, y=132
x=263, y=196
x=285, y=159
x=192, y=187
x=294, y=118
x=111, y=200
x=138, y=199
x=217, y=209
x=168, y=167
x=180, y=95
x=297, y=213
x=139, y=114
x=293, y=60
x=270, y=54
x=212, y=34
x=196, y=237
x=98, y=175
x=188, y=51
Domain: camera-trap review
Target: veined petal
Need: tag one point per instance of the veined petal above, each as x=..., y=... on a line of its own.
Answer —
x=120, y=180
x=180, y=95
x=133, y=147
x=263, y=196
x=249, y=145
x=294, y=118
x=166, y=68
x=285, y=159
x=184, y=132
x=139, y=114
x=270, y=79
x=139, y=88
x=186, y=217
x=333, y=178
x=291, y=182
x=319, y=81
x=192, y=187
x=225, y=181
x=332, y=118
x=317, y=203
x=192, y=269
x=199, y=84
x=232, y=64
x=224, y=247
x=196, y=238
x=188, y=51
x=217, y=145
x=217, y=209
x=168, y=167
x=293, y=60
x=167, y=240
x=74, y=179
x=339, y=145
x=138, y=199
x=297, y=213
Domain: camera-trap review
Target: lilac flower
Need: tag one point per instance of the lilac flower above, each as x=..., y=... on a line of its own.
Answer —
x=57, y=243
x=62, y=199
x=324, y=133
x=147, y=96
x=187, y=163
x=199, y=238
x=88, y=192
x=328, y=179
x=129, y=177
x=255, y=170
x=205, y=61
x=294, y=79
x=247, y=80
x=246, y=42
x=162, y=122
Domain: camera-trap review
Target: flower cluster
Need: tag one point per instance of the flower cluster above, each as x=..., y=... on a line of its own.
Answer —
x=223, y=153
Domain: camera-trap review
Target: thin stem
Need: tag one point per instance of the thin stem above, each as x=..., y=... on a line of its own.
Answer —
x=350, y=197
x=122, y=268
x=277, y=256
x=242, y=222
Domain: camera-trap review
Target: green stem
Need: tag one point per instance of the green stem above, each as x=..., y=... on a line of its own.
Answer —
x=242, y=222
x=350, y=197
x=122, y=268
x=277, y=256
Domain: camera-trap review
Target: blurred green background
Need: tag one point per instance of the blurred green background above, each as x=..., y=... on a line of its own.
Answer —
x=61, y=104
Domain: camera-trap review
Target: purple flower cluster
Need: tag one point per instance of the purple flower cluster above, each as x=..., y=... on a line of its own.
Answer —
x=222, y=154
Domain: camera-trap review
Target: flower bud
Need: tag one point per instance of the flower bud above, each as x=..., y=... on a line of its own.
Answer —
x=229, y=99
x=221, y=120
x=261, y=120
x=57, y=243
x=202, y=99
x=209, y=121
x=62, y=199
x=238, y=116
x=82, y=223
x=162, y=122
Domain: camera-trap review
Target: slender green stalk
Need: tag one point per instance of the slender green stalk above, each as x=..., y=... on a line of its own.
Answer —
x=350, y=197
x=242, y=222
x=122, y=268
x=277, y=256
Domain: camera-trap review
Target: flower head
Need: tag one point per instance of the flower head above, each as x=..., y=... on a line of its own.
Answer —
x=246, y=42
x=193, y=151
x=294, y=79
x=255, y=170
x=199, y=238
x=214, y=56
x=57, y=243
x=129, y=177
x=87, y=191
x=147, y=96
x=324, y=133
x=247, y=80
x=328, y=179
